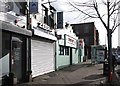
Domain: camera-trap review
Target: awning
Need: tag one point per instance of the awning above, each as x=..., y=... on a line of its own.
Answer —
x=15, y=39
x=12, y=28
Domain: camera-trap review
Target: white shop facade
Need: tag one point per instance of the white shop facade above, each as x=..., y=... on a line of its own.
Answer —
x=42, y=49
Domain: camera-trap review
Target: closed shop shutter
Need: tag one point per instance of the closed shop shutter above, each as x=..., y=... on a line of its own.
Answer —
x=42, y=57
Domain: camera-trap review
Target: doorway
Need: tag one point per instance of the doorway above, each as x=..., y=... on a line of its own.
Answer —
x=16, y=57
x=70, y=56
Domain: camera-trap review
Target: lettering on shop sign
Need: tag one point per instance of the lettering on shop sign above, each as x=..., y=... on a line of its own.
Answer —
x=43, y=26
x=81, y=43
x=70, y=41
x=43, y=30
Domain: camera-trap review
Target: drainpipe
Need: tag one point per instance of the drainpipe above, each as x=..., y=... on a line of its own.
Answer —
x=28, y=26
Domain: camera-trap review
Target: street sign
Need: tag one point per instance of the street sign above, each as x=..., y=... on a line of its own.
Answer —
x=33, y=6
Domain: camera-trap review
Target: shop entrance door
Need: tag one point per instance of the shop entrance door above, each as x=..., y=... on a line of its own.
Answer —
x=16, y=58
x=70, y=56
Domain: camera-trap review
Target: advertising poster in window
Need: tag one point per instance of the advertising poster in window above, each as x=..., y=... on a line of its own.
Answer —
x=100, y=55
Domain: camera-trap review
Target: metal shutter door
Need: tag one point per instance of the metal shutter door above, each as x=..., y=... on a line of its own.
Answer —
x=42, y=57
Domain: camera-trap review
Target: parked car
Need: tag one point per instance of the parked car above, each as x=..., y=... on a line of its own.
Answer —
x=117, y=59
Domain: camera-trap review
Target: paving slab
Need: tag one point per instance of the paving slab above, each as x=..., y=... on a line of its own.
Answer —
x=83, y=74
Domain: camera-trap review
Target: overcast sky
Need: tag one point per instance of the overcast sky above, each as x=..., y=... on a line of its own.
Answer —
x=76, y=17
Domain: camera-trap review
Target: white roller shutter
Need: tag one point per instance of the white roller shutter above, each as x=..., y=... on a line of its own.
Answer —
x=42, y=59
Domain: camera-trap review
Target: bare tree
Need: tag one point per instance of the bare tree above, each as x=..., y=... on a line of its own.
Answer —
x=109, y=19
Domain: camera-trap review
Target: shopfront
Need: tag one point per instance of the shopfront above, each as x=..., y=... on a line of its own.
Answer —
x=66, y=51
x=71, y=42
x=42, y=49
x=14, y=60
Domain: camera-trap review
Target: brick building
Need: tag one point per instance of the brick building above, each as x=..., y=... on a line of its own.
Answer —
x=88, y=32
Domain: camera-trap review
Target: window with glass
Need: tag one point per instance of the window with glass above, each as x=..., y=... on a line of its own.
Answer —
x=16, y=56
x=45, y=14
x=4, y=61
x=61, y=50
x=51, y=20
x=66, y=50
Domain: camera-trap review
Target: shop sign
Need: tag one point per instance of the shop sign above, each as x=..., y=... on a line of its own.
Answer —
x=80, y=43
x=42, y=30
x=70, y=41
x=43, y=26
x=33, y=6
x=40, y=26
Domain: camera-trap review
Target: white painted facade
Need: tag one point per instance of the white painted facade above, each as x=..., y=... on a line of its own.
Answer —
x=68, y=31
x=11, y=17
x=8, y=17
x=42, y=44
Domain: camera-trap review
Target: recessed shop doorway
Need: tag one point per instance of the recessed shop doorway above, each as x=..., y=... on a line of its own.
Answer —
x=70, y=56
x=16, y=57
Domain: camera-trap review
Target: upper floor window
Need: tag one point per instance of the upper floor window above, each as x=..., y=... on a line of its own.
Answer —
x=51, y=20
x=45, y=14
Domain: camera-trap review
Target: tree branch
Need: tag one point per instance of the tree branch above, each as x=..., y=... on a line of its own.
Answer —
x=114, y=7
x=96, y=8
x=82, y=11
x=104, y=2
x=114, y=22
x=115, y=27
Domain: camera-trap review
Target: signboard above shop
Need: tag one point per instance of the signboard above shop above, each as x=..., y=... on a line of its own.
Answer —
x=81, y=43
x=42, y=30
x=70, y=41
x=43, y=26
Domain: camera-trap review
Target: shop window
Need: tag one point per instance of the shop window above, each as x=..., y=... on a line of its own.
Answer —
x=66, y=50
x=16, y=56
x=61, y=50
x=5, y=54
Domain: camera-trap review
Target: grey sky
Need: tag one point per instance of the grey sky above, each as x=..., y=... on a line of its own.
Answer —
x=76, y=17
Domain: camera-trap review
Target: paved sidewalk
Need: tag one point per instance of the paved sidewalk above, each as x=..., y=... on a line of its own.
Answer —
x=83, y=73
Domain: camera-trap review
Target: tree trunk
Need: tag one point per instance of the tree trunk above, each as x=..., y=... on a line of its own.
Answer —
x=110, y=70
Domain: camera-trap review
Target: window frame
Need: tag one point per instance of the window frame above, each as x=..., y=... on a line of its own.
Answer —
x=66, y=50
x=61, y=50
